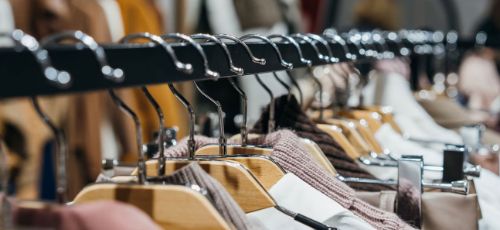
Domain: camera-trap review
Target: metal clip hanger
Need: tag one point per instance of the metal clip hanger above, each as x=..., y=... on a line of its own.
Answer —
x=317, y=81
x=271, y=122
x=307, y=62
x=182, y=67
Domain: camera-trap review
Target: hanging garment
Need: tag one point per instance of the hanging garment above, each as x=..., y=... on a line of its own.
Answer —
x=437, y=207
x=448, y=113
x=294, y=194
x=289, y=115
x=100, y=215
x=114, y=19
x=394, y=91
x=393, y=141
x=168, y=12
x=290, y=155
x=488, y=188
x=141, y=16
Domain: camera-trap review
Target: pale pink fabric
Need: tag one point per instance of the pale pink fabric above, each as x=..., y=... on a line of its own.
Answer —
x=99, y=215
x=289, y=154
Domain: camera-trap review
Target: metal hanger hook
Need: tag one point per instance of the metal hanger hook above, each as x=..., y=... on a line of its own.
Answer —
x=180, y=66
x=60, y=79
x=184, y=38
x=317, y=81
x=275, y=48
x=234, y=84
x=324, y=42
x=335, y=38
x=220, y=112
x=114, y=74
x=256, y=60
x=237, y=70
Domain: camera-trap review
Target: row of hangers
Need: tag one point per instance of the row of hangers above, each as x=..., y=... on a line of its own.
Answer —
x=246, y=171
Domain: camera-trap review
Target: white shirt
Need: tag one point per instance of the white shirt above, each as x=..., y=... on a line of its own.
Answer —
x=409, y=115
x=296, y=195
x=393, y=141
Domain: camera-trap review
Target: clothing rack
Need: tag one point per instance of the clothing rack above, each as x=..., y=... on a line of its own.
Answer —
x=145, y=64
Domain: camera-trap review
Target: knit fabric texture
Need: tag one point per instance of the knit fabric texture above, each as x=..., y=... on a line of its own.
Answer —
x=290, y=155
x=289, y=115
x=193, y=174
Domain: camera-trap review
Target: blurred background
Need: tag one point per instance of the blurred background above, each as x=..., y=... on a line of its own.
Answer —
x=96, y=130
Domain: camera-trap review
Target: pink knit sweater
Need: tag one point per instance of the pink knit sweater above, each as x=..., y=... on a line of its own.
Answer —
x=291, y=155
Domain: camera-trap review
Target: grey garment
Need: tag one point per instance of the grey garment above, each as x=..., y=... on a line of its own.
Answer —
x=193, y=174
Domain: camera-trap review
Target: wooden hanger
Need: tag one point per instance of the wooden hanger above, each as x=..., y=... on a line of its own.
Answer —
x=336, y=133
x=351, y=133
x=238, y=181
x=170, y=206
x=387, y=116
x=373, y=119
x=364, y=130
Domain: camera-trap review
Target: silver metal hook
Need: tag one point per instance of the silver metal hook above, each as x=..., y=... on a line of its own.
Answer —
x=302, y=59
x=321, y=40
x=220, y=112
x=295, y=44
x=177, y=36
x=180, y=66
x=354, y=38
x=232, y=81
x=114, y=74
x=271, y=124
x=379, y=39
x=62, y=80
x=317, y=81
x=311, y=43
x=256, y=60
x=334, y=37
x=182, y=99
x=396, y=38
x=59, y=78
x=237, y=70
x=283, y=63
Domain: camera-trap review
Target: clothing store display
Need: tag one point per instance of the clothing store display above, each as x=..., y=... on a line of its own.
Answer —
x=290, y=155
x=244, y=114
x=290, y=115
